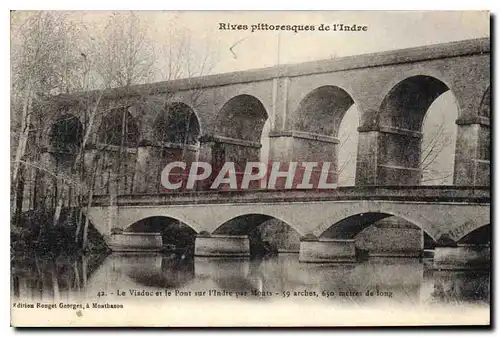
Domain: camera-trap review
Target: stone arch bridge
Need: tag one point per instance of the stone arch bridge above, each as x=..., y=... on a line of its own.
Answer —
x=327, y=220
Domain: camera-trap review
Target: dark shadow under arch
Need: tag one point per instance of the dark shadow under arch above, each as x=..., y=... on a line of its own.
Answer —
x=429, y=242
x=321, y=111
x=154, y=224
x=119, y=127
x=177, y=124
x=174, y=232
x=479, y=236
x=408, y=101
x=242, y=117
x=351, y=226
x=238, y=132
x=66, y=134
x=243, y=224
x=266, y=233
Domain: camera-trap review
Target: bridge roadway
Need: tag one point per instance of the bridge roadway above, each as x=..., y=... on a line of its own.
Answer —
x=327, y=220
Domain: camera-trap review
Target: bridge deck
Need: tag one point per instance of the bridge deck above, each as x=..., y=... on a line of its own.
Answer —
x=377, y=59
x=464, y=194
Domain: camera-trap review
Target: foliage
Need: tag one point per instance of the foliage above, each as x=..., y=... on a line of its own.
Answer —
x=58, y=62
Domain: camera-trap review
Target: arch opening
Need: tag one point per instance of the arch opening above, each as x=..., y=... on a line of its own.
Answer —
x=66, y=134
x=119, y=128
x=173, y=268
x=238, y=132
x=118, y=134
x=66, y=137
x=479, y=236
x=177, y=124
x=330, y=116
x=242, y=117
x=381, y=234
x=351, y=226
x=177, y=236
x=177, y=132
x=439, y=133
x=322, y=110
x=417, y=142
x=267, y=234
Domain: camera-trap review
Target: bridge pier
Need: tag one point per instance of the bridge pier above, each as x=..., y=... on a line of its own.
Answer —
x=464, y=256
x=388, y=156
x=148, y=168
x=134, y=242
x=300, y=146
x=327, y=250
x=391, y=237
x=472, y=153
x=222, y=246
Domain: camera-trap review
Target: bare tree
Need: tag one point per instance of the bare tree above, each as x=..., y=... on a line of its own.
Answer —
x=124, y=54
x=42, y=65
x=432, y=149
x=58, y=63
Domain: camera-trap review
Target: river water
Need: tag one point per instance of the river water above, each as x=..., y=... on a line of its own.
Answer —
x=119, y=277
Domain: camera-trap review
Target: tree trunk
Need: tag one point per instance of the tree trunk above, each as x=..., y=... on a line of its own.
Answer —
x=94, y=166
x=21, y=148
x=55, y=282
x=19, y=196
x=80, y=161
x=79, y=224
x=59, y=206
x=86, y=226
x=76, y=283
x=89, y=204
x=36, y=190
x=23, y=136
x=84, y=271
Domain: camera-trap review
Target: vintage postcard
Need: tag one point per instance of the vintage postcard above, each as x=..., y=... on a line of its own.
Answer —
x=222, y=169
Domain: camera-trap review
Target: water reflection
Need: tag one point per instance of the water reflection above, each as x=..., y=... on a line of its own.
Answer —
x=277, y=278
x=164, y=273
x=36, y=278
x=459, y=286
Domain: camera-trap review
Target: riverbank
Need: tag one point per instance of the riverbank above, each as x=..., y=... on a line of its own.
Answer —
x=36, y=233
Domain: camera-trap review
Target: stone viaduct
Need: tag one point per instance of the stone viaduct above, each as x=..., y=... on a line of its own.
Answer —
x=220, y=118
x=327, y=220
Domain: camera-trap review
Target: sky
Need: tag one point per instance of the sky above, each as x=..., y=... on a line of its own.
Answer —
x=385, y=31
